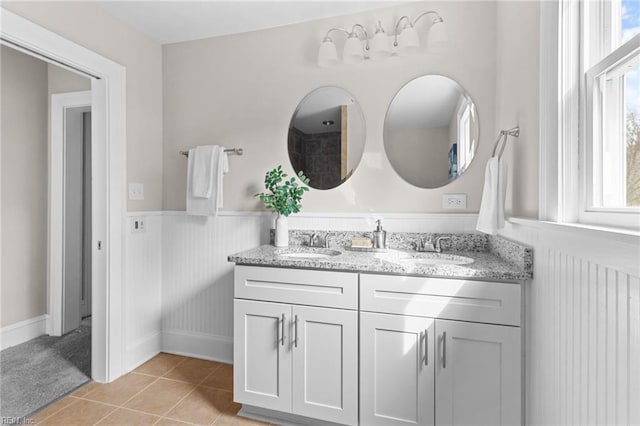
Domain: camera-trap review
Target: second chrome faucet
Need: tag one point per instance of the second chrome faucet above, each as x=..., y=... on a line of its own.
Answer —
x=430, y=245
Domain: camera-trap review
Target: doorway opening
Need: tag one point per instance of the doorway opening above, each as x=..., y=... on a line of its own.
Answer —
x=70, y=223
x=39, y=369
x=108, y=133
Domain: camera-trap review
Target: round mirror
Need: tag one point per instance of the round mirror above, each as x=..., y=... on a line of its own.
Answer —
x=326, y=137
x=431, y=131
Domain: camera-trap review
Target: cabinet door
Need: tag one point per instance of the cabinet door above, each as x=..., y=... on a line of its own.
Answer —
x=396, y=370
x=325, y=364
x=478, y=375
x=261, y=355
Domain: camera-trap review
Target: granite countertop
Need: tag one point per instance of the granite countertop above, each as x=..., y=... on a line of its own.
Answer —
x=495, y=262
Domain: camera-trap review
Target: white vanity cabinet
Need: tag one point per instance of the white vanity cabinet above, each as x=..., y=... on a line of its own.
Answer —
x=423, y=359
x=326, y=347
x=293, y=358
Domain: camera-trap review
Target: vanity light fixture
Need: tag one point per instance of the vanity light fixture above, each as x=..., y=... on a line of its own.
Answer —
x=380, y=46
x=406, y=40
x=353, y=51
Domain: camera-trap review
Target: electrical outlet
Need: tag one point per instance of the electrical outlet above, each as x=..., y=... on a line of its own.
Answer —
x=137, y=225
x=454, y=201
x=136, y=191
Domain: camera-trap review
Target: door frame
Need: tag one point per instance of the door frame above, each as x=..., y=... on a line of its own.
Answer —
x=108, y=106
x=60, y=102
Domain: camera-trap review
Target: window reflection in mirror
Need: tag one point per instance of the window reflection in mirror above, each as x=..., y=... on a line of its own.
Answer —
x=326, y=137
x=431, y=131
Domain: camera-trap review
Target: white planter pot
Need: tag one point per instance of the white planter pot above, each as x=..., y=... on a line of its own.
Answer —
x=282, y=231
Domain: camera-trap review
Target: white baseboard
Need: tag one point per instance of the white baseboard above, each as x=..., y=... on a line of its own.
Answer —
x=23, y=331
x=197, y=345
x=142, y=351
x=279, y=417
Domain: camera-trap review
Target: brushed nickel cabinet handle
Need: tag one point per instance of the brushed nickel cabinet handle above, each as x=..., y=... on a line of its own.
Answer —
x=426, y=346
x=420, y=352
x=444, y=349
x=295, y=327
x=282, y=330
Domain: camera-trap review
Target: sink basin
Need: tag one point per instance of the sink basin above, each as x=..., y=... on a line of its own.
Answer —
x=438, y=259
x=307, y=253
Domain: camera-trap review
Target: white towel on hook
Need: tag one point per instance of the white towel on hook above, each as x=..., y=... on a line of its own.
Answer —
x=206, y=167
x=491, y=215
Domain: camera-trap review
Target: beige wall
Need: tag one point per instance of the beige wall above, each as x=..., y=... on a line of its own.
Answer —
x=24, y=186
x=518, y=100
x=89, y=25
x=241, y=90
x=63, y=81
x=423, y=154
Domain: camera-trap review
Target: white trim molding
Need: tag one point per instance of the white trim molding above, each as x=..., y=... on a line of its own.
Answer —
x=108, y=89
x=22, y=331
x=198, y=345
x=363, y=221
x=142, y=351
x=559, y=110
x=56, y=222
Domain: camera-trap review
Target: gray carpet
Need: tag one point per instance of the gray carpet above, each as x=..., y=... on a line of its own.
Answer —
x=38, y=372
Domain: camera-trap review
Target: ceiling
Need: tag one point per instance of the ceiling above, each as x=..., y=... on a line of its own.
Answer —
x=176, y=21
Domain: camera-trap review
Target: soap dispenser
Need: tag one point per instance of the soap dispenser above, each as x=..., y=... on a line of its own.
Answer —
x=379, y=236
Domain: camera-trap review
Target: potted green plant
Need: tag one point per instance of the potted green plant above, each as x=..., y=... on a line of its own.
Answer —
x=284, y=197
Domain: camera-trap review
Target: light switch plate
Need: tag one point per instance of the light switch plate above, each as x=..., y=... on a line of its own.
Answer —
x=454, y=201
x=136, y=191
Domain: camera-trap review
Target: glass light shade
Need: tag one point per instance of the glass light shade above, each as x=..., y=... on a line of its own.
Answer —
x=380, y=46
x=327, y=55
x=437, y=39
x=408, y=41
x=353, y=52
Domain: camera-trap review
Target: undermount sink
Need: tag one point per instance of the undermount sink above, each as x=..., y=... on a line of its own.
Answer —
x=308, y=253
x=438, y=259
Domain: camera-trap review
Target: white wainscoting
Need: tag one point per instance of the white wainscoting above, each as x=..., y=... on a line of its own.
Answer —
x=143, y=289
x=197, y=286
x=23, y=331
x=583, y=326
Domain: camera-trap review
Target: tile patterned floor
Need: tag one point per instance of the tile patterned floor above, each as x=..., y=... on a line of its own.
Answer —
x=166, y=390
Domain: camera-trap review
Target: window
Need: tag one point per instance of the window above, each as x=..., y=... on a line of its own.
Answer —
x=610, y=47
x=466, y=143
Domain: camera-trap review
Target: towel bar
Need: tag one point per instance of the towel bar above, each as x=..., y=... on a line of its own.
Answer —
x=231, y=151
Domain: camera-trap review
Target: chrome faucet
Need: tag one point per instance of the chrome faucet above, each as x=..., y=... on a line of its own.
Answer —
x=326, y=238
x=438, y=246
x=313, y=240
x=428, y=245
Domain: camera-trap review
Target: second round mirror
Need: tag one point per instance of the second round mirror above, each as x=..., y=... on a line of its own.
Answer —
x=431, y=131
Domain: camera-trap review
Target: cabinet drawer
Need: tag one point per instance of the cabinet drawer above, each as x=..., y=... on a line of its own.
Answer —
x=479, y=301
x=297, y=286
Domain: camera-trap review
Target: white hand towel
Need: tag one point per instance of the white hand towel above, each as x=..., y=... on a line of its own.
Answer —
x=206, y=206
x=203, y=169
x=491, y=215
